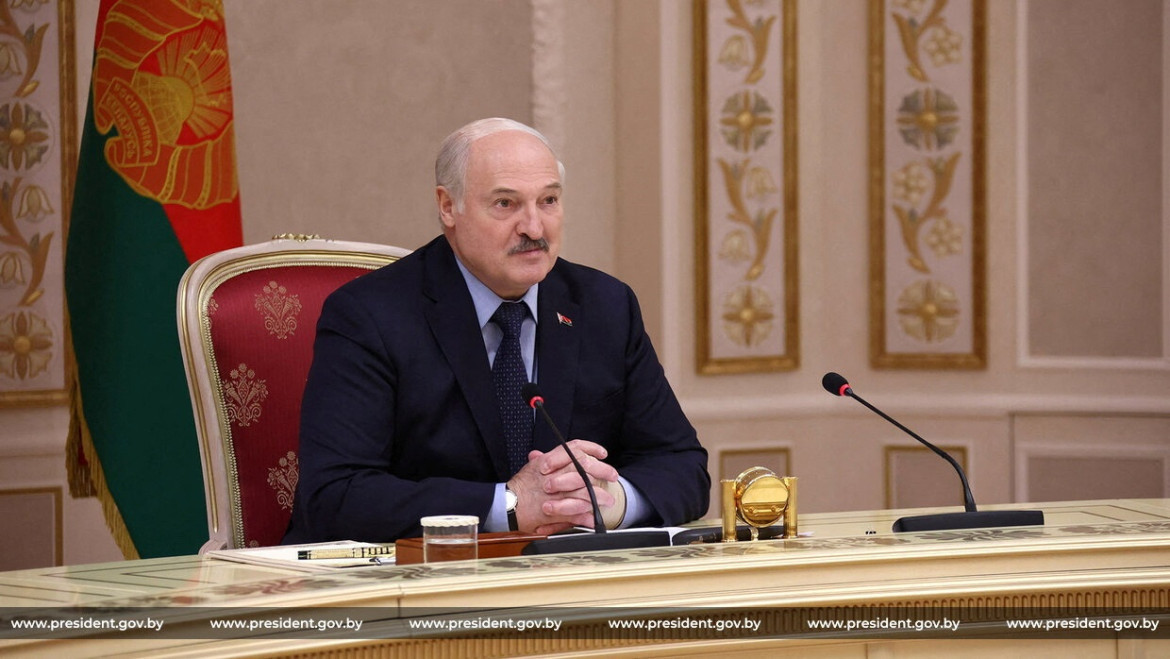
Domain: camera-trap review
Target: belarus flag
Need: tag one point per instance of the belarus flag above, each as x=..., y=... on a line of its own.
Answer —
x=156, y=189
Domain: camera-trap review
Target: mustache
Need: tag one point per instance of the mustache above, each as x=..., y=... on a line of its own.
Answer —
x=527, y=244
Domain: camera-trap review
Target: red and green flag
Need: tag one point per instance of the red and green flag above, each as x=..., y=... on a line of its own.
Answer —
x=156, y=189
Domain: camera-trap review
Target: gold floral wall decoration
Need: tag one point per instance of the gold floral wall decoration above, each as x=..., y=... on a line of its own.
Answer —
x=927, y=183
x=26, y=342
x=745, y=173
x=38, y=152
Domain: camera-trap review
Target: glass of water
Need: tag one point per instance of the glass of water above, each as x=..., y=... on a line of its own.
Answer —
x=449, y=538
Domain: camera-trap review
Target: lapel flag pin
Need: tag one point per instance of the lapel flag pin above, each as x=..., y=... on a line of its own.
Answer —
x=565, y=320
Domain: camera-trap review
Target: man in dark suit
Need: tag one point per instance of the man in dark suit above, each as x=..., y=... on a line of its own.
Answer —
x=403, y=415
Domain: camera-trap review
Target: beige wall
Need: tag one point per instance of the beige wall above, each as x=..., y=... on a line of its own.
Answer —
x=339, y=111
x=835, y=446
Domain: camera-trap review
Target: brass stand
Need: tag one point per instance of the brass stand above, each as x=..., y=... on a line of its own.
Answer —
x=759, y=498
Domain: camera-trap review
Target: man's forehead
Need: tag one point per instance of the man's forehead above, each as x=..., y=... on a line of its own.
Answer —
x=511, y=148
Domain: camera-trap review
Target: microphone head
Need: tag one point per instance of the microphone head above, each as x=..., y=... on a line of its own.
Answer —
x=531, y=394
x=835, y=384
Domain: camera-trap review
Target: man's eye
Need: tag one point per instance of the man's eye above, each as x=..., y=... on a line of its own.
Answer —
x=551, y=200
x=504, y=203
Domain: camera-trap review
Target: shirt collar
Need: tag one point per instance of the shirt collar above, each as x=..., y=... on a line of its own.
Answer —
x=486, y=302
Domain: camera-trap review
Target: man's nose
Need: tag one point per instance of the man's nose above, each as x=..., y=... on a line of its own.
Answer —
x=530, y=224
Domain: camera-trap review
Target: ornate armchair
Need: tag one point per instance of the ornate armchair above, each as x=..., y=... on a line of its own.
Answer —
x=247, y=318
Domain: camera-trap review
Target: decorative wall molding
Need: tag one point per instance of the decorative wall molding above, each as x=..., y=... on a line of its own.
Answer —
x=1024, y=358
x=1090, y=363
x=745, y=408
x=51, y=530
x=927, y=191
x=746, y=293
x=891, y=453
x=1142, y=450
x=38, y=154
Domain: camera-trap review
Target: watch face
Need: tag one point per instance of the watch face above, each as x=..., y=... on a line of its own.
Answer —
x=509, y=500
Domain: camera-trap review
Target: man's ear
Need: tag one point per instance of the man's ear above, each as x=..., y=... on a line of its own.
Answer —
x=446, y=205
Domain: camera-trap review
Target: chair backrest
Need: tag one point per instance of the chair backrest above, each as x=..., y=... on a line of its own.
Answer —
x=247, y=318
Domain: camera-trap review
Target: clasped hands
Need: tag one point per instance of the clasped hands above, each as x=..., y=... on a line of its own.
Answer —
x=551, y=497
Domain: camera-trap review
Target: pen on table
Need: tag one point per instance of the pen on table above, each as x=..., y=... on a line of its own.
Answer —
x=346, y=552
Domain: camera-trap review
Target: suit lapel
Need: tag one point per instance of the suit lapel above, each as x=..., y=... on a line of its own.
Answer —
x=453, y=323
x=557, y=352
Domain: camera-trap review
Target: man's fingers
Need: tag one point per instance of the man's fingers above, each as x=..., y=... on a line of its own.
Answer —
x=569, y=507
x=554, y=461
x=557, y=458
x=590, y=448
x=552, y=496
x=569, y=485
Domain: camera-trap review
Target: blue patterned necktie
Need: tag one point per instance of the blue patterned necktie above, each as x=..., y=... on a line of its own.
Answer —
x=510, y=376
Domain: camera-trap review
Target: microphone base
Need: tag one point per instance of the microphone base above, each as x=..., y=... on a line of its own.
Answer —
x=583, y=542
x=713, y=534
x=982, y=519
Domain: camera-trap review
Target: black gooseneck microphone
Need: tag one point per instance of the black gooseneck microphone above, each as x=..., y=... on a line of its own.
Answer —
x=971, y=518
x=599, y=539
x=531, y=394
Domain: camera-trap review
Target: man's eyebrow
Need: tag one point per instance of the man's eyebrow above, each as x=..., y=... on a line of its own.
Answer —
x=555, y=185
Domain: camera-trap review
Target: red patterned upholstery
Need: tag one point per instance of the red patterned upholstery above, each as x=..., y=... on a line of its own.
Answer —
x=247, y=318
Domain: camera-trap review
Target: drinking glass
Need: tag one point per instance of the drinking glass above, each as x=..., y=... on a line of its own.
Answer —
x=450, y=538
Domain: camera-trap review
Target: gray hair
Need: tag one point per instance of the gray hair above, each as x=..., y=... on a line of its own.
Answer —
x=451, y=163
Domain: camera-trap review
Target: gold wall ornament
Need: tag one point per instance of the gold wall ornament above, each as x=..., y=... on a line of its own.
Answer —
x=758, y=30
x=11, y=269
x=745, y=192
x=27, y=345
x=38, y=156
x=911, y=29
x=35, y=204
x=927, y=191
x=911, y=220
x=748, y=315
x=928, y=311
x=734, y=248
x=760, y=499
x=24, y=136
x=34, y=245
x=30, y=39
x=735, y=179
x=746, y=120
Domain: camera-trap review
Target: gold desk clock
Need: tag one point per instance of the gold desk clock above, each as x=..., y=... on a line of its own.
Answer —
x=760, y=499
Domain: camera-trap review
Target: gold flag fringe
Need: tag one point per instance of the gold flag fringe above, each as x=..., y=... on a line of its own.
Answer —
x=80, y=484
x=89, y=478
x=76, y=470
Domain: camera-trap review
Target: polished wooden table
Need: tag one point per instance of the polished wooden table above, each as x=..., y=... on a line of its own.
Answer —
x=1091, y=561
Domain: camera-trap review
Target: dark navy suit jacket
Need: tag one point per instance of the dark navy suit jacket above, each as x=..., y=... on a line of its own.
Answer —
x=399, y=418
